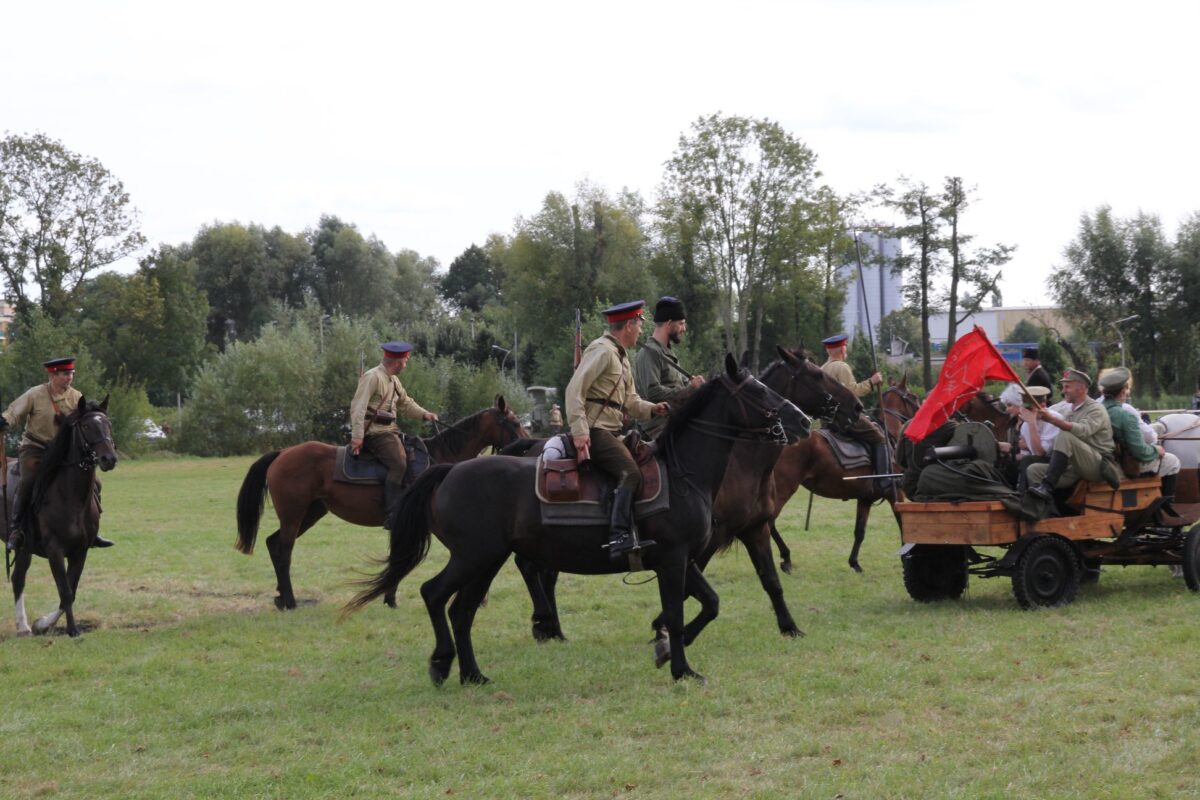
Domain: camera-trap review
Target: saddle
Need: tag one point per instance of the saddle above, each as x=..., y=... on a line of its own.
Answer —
x=850, y=453
x=580, y=494
x=366, y=470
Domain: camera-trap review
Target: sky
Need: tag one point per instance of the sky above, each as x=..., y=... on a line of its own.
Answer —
x=434, y=125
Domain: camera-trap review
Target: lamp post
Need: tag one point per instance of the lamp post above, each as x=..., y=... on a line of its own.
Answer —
x=504, y=350
x=1120, y=336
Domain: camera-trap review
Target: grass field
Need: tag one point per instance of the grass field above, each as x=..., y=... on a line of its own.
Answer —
x=189, y=684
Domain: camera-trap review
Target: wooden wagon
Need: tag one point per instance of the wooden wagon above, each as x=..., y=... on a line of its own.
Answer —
x=1047, y=559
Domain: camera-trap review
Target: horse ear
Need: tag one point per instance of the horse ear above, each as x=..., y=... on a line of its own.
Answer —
x=787, y=356
x=745, y=360
x=904, y=380
x=730, y=365
x=500, y=404
x=103, y=405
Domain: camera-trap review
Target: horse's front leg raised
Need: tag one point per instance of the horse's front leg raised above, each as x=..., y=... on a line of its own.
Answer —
x=672, y=573
x=20, y=572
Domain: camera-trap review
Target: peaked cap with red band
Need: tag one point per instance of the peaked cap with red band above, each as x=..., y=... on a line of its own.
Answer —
x=624, y=311
x=396, y=349
x=60, y=364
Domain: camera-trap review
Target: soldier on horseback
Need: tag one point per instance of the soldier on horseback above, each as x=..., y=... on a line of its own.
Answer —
x=600, y=392
x=41, y=410
x=863, y=430
x=656, y=371
x=378, y=401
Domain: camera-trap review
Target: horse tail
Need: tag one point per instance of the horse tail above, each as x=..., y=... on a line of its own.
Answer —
x=410, y=537
x=250, y=502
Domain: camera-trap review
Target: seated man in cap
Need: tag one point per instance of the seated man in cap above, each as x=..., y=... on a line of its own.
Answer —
x=379, y=399
x=1034, y=437
x=1035, y=372
x=41, y=410
x=656, y=371
x=600, y=392
x=1151, y=459
x=1083, y=449
x=863, y=430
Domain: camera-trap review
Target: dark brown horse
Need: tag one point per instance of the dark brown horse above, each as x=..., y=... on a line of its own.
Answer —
x=300, y=480
x=745, y=504
x=483, y=510
x=63, y=514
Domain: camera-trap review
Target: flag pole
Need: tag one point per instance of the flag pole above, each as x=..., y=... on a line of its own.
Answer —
x=862, y=290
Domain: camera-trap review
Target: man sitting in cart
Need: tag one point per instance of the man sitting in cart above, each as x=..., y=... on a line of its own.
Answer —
x=1151, y=459
x=1083, y=449
x=1034, y=438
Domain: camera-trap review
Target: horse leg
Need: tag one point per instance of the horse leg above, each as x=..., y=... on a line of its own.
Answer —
x=758, y=547
x=462, y=617
x=672, y=575
x=860, y=530
x=785, y=554
x=697, y=586
x=436, y=592
x=66, y=599
x=20, y=572
x=540, y=584
x=280, y=545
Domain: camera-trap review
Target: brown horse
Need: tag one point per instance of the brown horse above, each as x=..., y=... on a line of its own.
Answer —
x=64, y=514
x=300, y=480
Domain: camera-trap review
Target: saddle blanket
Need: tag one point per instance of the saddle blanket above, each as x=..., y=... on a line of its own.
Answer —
x=850, y=453
x=594, y=492
x=365, y=470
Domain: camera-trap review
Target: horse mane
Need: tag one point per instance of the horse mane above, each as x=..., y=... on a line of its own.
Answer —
x=454, y=437
x=56, y=453
x=691, y=407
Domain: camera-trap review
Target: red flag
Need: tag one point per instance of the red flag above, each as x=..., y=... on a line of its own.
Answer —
x=972, y=362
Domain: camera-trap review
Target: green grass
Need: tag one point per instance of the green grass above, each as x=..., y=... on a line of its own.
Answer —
x=189, y=684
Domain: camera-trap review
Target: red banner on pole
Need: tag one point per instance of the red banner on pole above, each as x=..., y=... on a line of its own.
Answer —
x=972, y=362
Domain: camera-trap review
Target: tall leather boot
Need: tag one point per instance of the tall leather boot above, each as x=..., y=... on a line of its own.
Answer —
x=623, y=539
x=1168, y=493
x=100, y=541
x=1054, y=471
x=883, y=465
x=392, y=493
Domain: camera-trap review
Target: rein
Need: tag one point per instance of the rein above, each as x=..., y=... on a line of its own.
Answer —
x=719, y=430
x=829, y=407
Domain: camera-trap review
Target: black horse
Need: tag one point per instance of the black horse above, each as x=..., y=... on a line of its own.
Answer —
x=63, y=514
x=483, y=510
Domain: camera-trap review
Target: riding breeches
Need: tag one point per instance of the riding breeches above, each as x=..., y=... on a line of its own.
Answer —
x=386, y=447
x=865, y=431
x=611, y=455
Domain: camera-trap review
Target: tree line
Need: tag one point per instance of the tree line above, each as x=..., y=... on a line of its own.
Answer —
x=259, y=333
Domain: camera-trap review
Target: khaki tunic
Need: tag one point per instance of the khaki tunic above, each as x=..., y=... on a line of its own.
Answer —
x=36, y=410
x=842, y=373
x=1088, y=443
x=379, y=391
x=603, y=373
x=656, y=380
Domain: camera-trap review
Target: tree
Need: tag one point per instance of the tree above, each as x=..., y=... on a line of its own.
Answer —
x=730, y=190
x=1024, y=331
x=62, y=217
x=238, y=277
x=353, y=275
x=922, y=211
x=975, y=269
x=470, y=282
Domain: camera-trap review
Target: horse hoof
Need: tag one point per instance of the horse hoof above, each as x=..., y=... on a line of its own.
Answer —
x=281, y=604
x=792, y=632
x=854, y=566
x=439, y=670
x=662, y=652
x=73, y=633
x=477, y=679
x=786, y=566
x=540, y=635
x=25, y=632
x=692, y=675
x=390, y=600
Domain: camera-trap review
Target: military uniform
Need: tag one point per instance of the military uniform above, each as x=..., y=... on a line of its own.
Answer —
x=1087, y=447
x=1128, y=433
x=863, y=429
x=656, y=380
x=379, y=400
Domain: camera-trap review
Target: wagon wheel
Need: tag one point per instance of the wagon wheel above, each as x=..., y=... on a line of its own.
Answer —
x=1191, y=559
x=1047, y=573
x=935, y=572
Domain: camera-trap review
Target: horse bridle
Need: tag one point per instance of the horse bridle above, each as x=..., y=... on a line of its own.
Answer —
x=909, y=399
x=829, y=405
x=89, y=459
x=774, y=432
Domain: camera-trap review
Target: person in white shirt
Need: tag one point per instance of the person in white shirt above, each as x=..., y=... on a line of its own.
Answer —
x=1036, y=437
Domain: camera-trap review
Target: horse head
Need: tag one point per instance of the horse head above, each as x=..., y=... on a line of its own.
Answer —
x=508, y=426
x=93, y=430
x=761, y=411
x=811, y=388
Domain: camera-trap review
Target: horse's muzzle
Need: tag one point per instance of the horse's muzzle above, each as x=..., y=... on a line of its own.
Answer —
x=792, y=424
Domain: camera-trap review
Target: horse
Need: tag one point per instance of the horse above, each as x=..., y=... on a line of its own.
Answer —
x=744, y=505
x=483, y=510
x=300, y=481
x=63, y=513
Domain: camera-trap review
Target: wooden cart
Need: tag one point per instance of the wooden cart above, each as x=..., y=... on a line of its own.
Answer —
x=1047, y=559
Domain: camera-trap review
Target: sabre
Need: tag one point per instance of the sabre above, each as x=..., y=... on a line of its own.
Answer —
x=862, y=289
x=872, y=477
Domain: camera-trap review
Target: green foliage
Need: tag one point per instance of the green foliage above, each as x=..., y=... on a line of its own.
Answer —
x=470, y=283
x=62, y=216
x=128, y=410
x=903, y=324
x=1024, y=331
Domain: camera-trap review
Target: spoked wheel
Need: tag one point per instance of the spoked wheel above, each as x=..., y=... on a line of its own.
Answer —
x=1191, y=559
x=935, y=572
x=1047, y=574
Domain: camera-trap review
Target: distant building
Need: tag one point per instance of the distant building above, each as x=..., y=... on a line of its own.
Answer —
x=879, y=294
x=998, y=323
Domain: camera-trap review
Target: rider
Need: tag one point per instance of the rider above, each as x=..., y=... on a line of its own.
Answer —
x=41, y=410
x=1151, y=459
x=600, y=391
x=1083, y=450
x=656, y=370
x=863, y=429
x=379, y=399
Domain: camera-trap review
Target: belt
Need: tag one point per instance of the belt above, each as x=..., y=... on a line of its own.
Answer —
x=605, y=402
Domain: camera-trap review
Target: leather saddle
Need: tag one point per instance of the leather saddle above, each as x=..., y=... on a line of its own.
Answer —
x=364, y=469
x=580, y=494
x=850, y=453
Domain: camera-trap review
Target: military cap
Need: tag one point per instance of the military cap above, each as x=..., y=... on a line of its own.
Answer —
x=837, y=340
x=1038, y=392
x=668, y=309
x=1077, y=376
x=623, y=311
x=396, y=349
x=1031, y=352
x=1114, y=378
x=60, y=364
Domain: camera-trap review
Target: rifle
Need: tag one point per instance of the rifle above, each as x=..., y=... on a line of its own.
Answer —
x=578, y=340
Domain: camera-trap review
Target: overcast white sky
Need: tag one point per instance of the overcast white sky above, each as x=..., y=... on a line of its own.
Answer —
x=434, y=125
